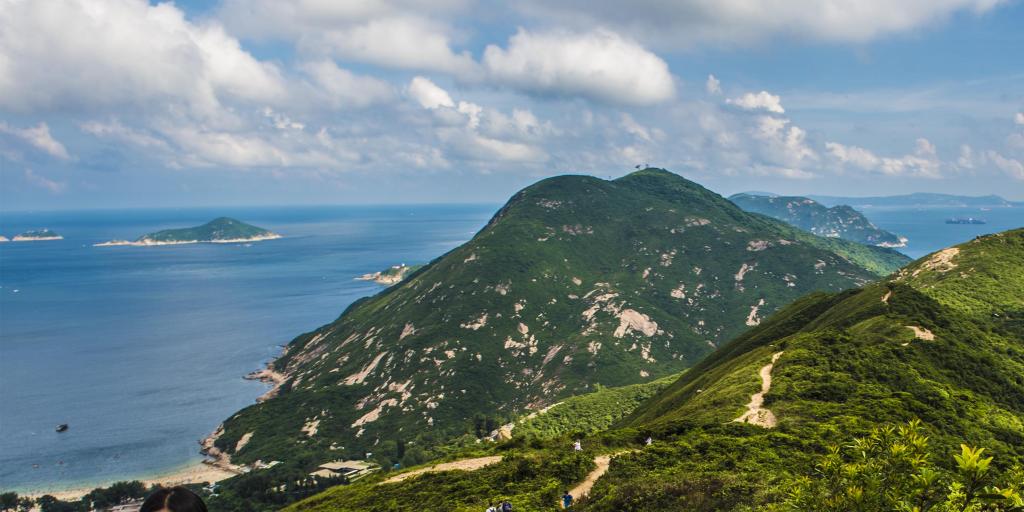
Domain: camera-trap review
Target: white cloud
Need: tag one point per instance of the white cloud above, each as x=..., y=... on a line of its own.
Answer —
x=685, y=23
x=1012, y=167
x=122, y=52
x=342, y=88
x=38, y=137
x=760, y=101
x=428, y=94
x=599, y=65
x=54, y=187
x=966, y=159
x=1019, y=118
x=402, y=42
x=923, y=162
x=853, y=155
x=713, y=86
x=274, y=19
x=115, y=130
x=477, y=133
x=784, y=143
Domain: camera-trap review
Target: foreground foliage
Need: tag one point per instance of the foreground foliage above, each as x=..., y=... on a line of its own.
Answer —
x=891, y=469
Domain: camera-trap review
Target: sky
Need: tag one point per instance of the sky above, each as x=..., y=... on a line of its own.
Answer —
x=128, y=103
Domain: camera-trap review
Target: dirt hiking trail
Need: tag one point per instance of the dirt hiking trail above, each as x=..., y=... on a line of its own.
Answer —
x=458, y=465
x=756, y=414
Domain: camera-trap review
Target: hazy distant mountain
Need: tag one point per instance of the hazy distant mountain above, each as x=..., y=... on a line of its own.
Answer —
x=916, y=199
x=836, y=222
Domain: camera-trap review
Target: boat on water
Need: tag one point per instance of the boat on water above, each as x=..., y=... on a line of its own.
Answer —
x=63, y=427
x=964, y=220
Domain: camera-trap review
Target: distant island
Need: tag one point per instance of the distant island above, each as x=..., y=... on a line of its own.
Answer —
x=37, y=235
x=388, y=277
x=839, y=221
x=918, y=199
x=4, y=239
x=222, y=230
x=964, y=220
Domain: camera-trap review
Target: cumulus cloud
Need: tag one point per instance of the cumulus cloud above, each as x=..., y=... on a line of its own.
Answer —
x=784, y=143
x=122, y=52
x=403, y=42
x=600, y=65
x=923, y=162
x=428, y=94
x=473, y=132
x=686, y=23
x=1012, y=167
x=38, y=137
x=341, y=88
x=1019, y=118
x=713, y=86
x=759, y=101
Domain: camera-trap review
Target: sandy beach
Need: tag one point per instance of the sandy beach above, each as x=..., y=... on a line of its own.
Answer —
x=198, y=472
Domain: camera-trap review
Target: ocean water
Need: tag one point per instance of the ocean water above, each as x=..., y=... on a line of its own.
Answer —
x=927, y=231
x=141, y=350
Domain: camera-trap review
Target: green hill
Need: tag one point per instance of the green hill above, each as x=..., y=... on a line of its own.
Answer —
x=37, y=234
x=836, y=222
x=575, y=282
x=221, y=229
x=939, y=342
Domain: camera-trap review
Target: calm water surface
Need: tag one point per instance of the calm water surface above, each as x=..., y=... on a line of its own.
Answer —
x=141, y=350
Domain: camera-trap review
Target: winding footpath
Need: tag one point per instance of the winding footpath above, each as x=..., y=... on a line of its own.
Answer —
x=756, y=414
x=459, y=465
x=583, y=488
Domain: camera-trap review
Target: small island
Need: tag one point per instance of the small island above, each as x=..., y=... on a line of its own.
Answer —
x=391, y=276
x=4, y=239
x=222, y=230
x=37, y=235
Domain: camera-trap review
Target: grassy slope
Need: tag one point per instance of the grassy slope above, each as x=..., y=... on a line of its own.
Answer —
x=849, y=363
x=545, y=259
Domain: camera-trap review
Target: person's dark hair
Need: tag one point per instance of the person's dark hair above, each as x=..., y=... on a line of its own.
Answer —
x=175, y=499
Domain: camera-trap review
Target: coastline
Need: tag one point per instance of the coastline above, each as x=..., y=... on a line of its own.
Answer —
x=214, y=467
x=192, y=473
x=20, y=238
x=153, y=243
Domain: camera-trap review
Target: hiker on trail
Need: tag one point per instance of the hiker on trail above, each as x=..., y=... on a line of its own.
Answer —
x=648, y=441
x=576, y=445
x=506, y=506
x=566, y=500
x=492, y=508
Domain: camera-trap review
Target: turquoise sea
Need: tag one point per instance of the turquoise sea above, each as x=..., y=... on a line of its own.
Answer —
x=141, y=350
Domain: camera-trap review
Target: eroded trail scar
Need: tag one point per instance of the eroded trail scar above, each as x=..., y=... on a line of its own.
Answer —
x=463, y=465
x=757, y=415
x=583, y=489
